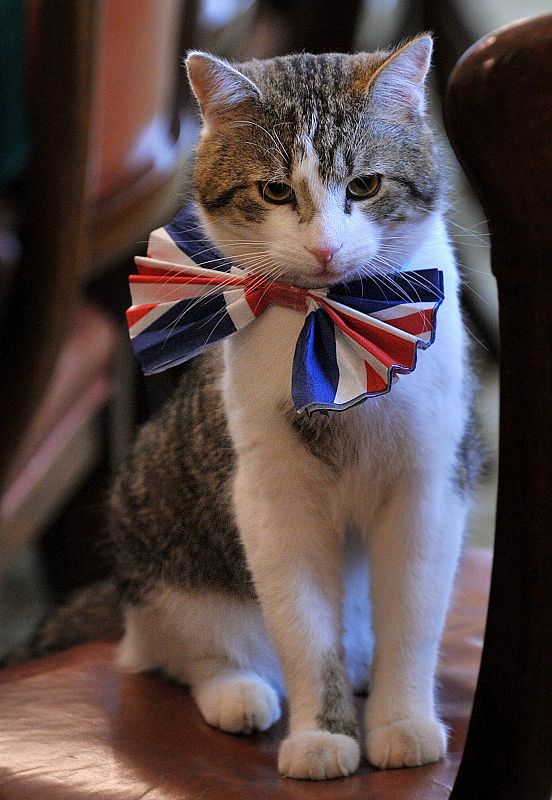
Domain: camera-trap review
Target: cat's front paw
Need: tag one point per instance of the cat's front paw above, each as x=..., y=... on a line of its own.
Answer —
x=238, y=704
x=406, y=743
x=318, y=755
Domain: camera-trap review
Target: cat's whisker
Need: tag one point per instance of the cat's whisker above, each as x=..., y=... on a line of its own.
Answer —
x=276, y=142
x=283, y=149
x=482, y=236
x=468, y=330
x=462, y=281
x=219, y=240
x=390, y=280
x=470, y=244
x=217, y=288
x=264, y=149
x=224, y=311
x=480, y=297
x=204, y=296
x=465, y=326
x=262, y=279
x=465, y=268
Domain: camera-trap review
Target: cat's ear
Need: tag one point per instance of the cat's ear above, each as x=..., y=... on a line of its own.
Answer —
x=219, y=87
x=398, y=83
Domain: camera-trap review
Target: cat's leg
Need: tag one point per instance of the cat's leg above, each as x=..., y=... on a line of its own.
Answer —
x=295, y=557
x=234, y=699
x=358, y=640
x=231, y=668
x=214, y=643
x=413, y=553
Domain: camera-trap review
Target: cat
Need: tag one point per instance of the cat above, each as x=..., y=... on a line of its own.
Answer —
x=261, y=552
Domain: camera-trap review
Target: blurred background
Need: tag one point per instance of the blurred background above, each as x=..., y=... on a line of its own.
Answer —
x=96, y=132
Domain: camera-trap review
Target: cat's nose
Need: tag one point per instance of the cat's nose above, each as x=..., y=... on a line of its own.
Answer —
x=323, y=254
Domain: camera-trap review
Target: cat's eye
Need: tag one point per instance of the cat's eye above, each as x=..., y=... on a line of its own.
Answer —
x=278, y=193
x=363, y=187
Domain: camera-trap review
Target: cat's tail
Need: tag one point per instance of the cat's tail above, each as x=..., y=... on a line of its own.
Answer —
x=91, y=613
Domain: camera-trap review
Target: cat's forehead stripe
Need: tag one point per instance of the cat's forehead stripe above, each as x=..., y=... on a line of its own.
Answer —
x=305, y=205
x=305, y=174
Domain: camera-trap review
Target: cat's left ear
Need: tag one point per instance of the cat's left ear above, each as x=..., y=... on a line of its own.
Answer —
x=219, y=88
x=398, y=83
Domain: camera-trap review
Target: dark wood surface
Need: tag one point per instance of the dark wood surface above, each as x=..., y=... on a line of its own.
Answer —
x=498, y=115
x=74, y=727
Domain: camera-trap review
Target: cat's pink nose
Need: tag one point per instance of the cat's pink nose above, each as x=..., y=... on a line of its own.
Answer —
x=323, y=254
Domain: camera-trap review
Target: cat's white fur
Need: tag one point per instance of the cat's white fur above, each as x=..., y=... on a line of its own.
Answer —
x=294, y=515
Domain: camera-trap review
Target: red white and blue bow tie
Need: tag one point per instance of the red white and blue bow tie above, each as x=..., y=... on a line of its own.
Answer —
x=356, y=336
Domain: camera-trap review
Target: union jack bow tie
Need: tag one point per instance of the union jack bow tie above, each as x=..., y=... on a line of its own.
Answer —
x=356, y=336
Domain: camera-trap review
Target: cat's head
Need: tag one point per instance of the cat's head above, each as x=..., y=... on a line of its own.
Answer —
x=314, y=169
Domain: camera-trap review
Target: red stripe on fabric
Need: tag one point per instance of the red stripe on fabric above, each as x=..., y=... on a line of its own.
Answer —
x=374, y=382
x=255, y=300
x=261, y=294
x=285, y=294
x=136, y=313
x=396, y=349
x=390, y=350
x=170, y=278
x=144, y=269
x=417, y=323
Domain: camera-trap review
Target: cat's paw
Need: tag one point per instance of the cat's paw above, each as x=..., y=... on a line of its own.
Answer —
x=406, y=743
x=237, y=703
x=318, y=755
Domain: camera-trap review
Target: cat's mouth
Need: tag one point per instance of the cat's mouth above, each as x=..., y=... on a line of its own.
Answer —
x=326, y=277
x=320, y=279
x=314, y=280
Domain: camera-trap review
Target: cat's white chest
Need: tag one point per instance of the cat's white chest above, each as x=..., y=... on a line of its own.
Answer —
x=257, y=384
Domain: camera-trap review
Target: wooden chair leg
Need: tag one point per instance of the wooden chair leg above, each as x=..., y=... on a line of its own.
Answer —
x=499, y=118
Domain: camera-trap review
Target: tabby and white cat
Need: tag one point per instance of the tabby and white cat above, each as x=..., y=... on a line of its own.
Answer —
x=262, y=551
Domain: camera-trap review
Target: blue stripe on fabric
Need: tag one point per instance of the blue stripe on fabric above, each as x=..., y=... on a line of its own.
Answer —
x=315, y=375
x=183, y=332
x=369, y=295
x=188, y=235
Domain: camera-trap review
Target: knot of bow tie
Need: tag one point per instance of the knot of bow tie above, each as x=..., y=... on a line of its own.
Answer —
x=280, y=294
x=356, y=336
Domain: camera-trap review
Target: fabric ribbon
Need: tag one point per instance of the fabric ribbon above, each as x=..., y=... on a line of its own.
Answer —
x=356, y=337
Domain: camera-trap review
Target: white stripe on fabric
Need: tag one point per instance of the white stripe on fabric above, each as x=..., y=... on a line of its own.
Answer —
x=312, y=305
x=376, y=365
x=143, y=293
x=345, y=311
x=161, y=246
x=404, y=310
x=238, y=308
x=189, y=268
x=149, y=318
x=352, y=372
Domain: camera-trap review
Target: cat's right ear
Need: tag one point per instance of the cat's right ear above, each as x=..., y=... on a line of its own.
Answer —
x=219, y=88
x=397, y=85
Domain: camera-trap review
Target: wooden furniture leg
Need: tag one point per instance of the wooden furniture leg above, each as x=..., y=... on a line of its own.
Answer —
x=498, y=113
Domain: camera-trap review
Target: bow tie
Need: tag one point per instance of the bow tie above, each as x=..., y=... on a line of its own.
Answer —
x=356, y=336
